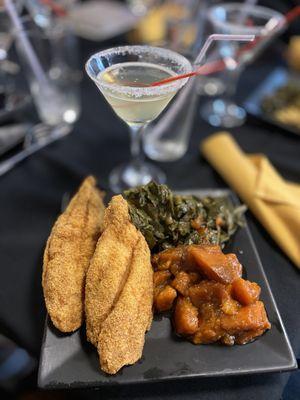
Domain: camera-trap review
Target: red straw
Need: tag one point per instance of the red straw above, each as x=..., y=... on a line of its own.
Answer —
x=292, y=14
x=288, y=18
x=219, y=65
x=57, y=9
x=206, y=69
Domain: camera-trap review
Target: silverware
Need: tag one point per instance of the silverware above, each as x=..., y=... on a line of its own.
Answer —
x=35, y=139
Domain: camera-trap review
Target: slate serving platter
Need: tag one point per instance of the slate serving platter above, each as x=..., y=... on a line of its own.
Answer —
x=68, y=361
x=279, y=77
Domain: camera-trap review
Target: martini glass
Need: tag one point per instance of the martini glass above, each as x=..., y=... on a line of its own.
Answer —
x=225, y=18
x=124, y=76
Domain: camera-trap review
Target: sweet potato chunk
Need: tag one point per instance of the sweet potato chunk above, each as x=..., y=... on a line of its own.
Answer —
x=207, y=333
x=208, y=292
x=160, y=277
x=185, y=317
x=230, y=306
x=166, y=258
x=245, y=292
x=214, y=265
x=182, y=281
x=248, y=318
x=163, y=301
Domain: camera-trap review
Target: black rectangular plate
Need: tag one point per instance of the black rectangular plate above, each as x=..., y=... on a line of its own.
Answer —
x=68, y=361
x=278, y=77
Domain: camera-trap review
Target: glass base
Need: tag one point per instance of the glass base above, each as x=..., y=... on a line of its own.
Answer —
x=223, y=113
x=129, y=175
x=209, y=86
x=164, y=150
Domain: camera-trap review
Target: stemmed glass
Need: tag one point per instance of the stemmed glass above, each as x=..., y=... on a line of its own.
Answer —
x=124, y=76
x=225, y=18
x=6, y=39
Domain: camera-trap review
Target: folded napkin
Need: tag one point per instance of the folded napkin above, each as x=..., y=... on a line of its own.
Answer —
x=274, y=201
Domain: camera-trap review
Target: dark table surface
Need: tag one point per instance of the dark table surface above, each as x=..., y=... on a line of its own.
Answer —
x=30, y=200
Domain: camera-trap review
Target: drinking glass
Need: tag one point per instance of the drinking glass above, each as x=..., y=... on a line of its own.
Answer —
x=182, y=25
x=124, y=76
x=58, y=56
x=42, y=13
x=260, y=21
x=168, y=139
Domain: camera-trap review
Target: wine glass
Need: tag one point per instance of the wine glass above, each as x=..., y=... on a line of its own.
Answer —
x=124, y=76
x=225, y=18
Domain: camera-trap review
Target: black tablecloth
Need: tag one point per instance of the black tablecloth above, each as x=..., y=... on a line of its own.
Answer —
x=30, y=200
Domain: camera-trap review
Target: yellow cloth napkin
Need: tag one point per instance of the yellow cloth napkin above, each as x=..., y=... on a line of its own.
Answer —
x=274, y=201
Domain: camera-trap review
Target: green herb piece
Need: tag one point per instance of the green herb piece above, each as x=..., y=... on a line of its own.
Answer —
x=168, y=220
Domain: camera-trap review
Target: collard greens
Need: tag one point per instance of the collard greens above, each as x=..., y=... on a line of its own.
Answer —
x=167, y=219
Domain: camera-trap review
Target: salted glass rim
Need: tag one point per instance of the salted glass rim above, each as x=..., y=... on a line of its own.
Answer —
x=256, y=10
x=181, y=61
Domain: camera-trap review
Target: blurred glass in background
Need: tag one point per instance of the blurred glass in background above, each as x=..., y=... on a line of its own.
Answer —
x=182, y=25
x=56, y=50
x=173, y=24
x=6, y=39
x=42, y=11
x=226, y=18
x=45, y=56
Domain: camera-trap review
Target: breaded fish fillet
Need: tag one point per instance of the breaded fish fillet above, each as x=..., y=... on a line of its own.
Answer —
x=68, y=252
x=109, y=266
x=119, y=290
x=122, y=336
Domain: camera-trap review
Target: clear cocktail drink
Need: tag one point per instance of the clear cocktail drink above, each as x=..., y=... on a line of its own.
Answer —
x=124, y=76
x=136, y=108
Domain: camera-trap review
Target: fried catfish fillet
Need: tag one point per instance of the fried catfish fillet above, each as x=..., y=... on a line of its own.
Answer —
x=119, y=290
x=68, y=252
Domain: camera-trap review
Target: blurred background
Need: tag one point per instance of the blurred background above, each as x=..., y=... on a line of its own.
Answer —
x=55, y=128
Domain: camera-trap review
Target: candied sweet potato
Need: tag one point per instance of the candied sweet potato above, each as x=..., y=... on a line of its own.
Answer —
x=182, y=281
x=208, y=292
x=248, y=318
x=160, y=277
x=185, y=317
x=245, y=292
x=164, y=299
x=230, y=306
x=166, y=258
x=214, y=303
x=214, y=264
x=207, y=333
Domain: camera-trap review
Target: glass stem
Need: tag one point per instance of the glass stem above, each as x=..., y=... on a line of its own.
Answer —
x=231, y=79
x=136, y=133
